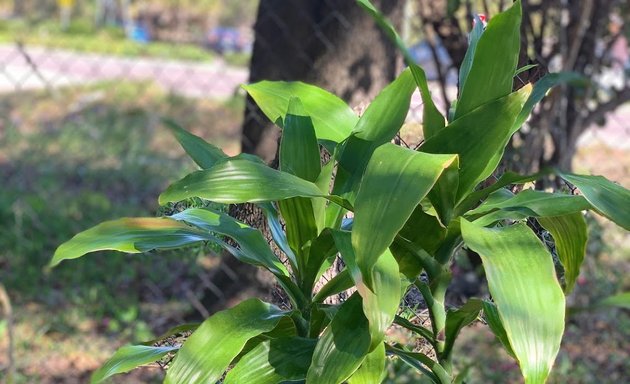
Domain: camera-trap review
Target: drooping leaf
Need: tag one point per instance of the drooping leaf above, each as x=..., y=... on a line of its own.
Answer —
x=491, y=314
x=395, y=181
x=130, y=235
x=457, y=319
x=423, y=363
x=204, y=154
x=530, y=203
x=342, y=346
x=522, y=281
x=432, y=119
x=541, y=88
x=253, y=248
x=417, y=329
x=381, y=303
x=211, y=348
x=570, y=235
x=274, y=361
x=277, y=232
x=129, y=357
x=478, y=138
x=373, y=368
x=608, y=198
x=387, y=27
x=332, y=118
x=240, y=181
x=494, y=62
x=620, y=300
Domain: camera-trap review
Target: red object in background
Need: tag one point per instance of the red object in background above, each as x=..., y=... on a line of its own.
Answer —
x=482, y=17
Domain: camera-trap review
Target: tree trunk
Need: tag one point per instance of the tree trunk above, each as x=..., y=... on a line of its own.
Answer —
x=333, y=44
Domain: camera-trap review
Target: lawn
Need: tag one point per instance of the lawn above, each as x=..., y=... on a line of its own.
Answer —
x=69, y=160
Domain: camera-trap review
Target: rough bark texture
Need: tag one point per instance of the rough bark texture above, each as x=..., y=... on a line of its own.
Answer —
x=333, y=44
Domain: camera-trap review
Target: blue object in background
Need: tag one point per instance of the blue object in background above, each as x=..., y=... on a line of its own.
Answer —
x=139, y=33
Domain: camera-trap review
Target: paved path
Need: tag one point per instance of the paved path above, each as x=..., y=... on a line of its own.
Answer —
x=59, y=67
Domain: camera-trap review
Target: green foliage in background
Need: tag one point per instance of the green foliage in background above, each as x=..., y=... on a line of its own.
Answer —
x=411, y=211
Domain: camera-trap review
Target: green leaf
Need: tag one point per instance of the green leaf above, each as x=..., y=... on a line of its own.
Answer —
x=380, y=304
x=491, y=314
x=479, y=138
x=129, y=357
x=130, y=235
x=523, y=284
x=332, y=118
x=456, y=319
x=300, y=226
x=386, y=114
x=395, y=181
x=211, y=348
x=494, y=62
x=423, y=363
x=541, y=88
x=204, y=154
x=342, y=346
x=253, y=248
x=339, y=283
x=621, y=300
x=179, y=329
x=417, y=329
x=530, y=203
x=432, y=119
x=321, y=249
x=274, y=361
x=473, y=40
x=387, y=27
x=299, y=151
x=372, y=370
x=240, y=181
x=606, y=197
x=277, y=231
x=524, y=68
x=570, y=235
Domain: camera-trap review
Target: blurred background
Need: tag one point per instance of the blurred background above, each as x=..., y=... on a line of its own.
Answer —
x=84, y=85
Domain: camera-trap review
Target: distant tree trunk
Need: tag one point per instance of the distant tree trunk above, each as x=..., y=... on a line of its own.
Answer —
x=18, y=8
x=333, y=44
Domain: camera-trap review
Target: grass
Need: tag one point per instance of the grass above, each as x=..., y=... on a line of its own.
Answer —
x=68, y=161
x=82, y=37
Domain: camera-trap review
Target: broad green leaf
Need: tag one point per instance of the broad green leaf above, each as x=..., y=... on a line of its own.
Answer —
x=478, y=138
x=240, y=181
x=211, y=348
x=608, y=198
x=274, y=361
x=456, y=319
x=541, y=88
x=204, y=154
x=523, y=284
x=491, y=314
x=342, y=346
x=300, y=226
x=130, y=235
x=473, y=40
x=570, y=235
x=386, y=114
x=395, y=181
x=332, y=118
x=339, y=283
x=380, y=304
x=129, y=357
x=299, y=151
x=425, y=231
x=372, y=370
x=494, y=62
x=179, y=329
x=253, y=248
x=418, y=329
x=324, y=183
x=387, y=27
x=432, y=119
x=621, y=300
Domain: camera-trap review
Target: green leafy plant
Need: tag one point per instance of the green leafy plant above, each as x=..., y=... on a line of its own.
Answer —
x=412, y=210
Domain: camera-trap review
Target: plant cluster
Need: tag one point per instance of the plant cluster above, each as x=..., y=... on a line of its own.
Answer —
x=412, y=210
